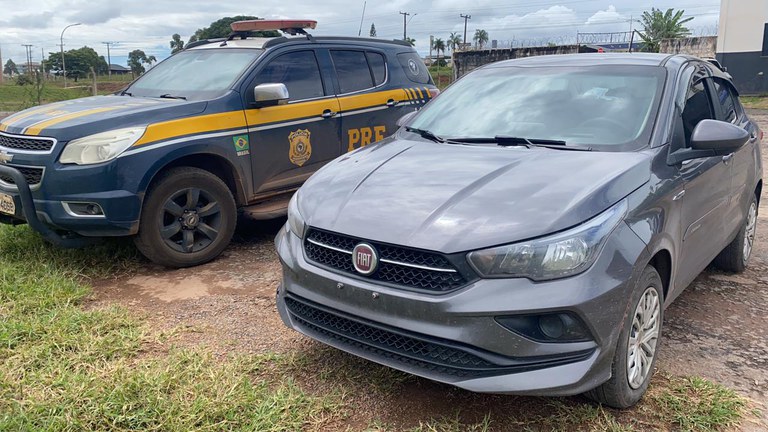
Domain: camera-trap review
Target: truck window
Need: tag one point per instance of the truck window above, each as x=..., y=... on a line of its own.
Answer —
x=299, y=72
x=352, y=70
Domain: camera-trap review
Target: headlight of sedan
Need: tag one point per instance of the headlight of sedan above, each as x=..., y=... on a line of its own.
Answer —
x=102, y=147
x=295, y=221
x=561, y=255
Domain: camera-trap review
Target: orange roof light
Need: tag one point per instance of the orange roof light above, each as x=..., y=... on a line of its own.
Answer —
x=265, y=25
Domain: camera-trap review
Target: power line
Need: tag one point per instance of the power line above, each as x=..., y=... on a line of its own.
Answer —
x=109, y=57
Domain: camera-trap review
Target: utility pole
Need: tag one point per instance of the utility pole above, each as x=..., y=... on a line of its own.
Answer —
x=405, y=24
x=63, y=64
x=2, y=66
x=109, y=58
x=466, y=17
x=28, y=49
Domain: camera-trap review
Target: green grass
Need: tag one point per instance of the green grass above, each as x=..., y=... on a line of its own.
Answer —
x=68, y=366
x=755, y=102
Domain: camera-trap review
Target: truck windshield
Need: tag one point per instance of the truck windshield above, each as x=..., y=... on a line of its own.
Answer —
x=197, y=74
x=609, y=108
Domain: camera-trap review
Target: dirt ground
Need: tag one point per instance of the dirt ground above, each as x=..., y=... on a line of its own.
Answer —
x=716, y=329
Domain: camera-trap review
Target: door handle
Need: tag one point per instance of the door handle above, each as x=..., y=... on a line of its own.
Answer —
x=752, y=138
x=727, y=159
x=391, y=103
x=329, y=114
x=679, y=196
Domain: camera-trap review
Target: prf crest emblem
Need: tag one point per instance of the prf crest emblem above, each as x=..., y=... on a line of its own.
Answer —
x=301, y=147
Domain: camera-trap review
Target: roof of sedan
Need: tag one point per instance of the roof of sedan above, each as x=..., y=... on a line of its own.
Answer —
x=636, y=59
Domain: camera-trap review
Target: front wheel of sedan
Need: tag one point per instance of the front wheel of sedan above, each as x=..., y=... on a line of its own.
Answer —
x=636, y=352
x=735, y=257
x=189, y=217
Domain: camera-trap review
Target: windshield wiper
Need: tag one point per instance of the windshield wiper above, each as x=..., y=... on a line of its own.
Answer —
x=425, y=134
x=510, y=141
x=170, y=96
x=125, y=93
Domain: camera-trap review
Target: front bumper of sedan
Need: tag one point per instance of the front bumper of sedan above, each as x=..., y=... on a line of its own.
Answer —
x=457, y=337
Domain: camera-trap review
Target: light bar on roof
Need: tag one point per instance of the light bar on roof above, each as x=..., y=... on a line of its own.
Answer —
x=265, y=25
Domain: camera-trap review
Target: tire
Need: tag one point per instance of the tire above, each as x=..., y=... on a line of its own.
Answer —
x=630, y=378
x=188, y=219
x=735, y=257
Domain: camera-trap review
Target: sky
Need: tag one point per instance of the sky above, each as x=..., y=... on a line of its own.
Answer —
x=148, y=25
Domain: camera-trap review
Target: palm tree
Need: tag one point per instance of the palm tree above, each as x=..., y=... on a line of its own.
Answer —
x=481, y=38
x=176, y=43
x=454, y=40
x=658, y=25
x=438, y=45
x=411, y=41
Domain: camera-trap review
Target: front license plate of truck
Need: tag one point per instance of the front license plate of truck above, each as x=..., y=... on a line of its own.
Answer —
x=7, y=205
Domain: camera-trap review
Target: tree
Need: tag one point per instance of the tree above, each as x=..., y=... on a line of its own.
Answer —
x=78, y=62
x=454, y=40
x=658, y=25
x=481, y=38
x=438, y=45
x=221, y=29
x=411, y=41
x=137, y=59
x=373, y=30
x=176, y=43
x=10, y=68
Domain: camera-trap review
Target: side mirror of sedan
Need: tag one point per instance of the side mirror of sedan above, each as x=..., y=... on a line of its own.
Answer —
x=404, y=120
x=270, y=94
x=711, y=138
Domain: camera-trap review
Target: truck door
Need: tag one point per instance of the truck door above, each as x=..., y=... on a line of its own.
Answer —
x=287, y=143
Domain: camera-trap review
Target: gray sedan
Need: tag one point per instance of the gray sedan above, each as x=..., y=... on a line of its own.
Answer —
x=524, y=232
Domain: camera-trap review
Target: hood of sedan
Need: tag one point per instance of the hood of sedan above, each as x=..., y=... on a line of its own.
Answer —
x=454, y=198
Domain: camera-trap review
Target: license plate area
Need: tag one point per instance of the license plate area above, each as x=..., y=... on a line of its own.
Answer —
x=7, y=205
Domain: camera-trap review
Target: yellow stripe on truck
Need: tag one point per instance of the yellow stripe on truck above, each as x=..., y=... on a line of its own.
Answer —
x=264, y=116
x=192, y=125
x=10, y=120
x=38, y=127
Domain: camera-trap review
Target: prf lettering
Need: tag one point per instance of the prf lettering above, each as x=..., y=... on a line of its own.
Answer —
x=364, y=136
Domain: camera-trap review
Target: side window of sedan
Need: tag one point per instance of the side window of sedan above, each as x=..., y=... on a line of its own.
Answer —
x=729, y=105
x=698, y=105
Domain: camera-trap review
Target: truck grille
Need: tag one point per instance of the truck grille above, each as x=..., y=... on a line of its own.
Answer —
x=397, y=265
x=431, y=355
x=33, y=176
x=24, y=143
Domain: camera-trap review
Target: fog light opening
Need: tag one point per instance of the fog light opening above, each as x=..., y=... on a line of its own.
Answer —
x=83, y=209
x=552, y=326
x=549, y=328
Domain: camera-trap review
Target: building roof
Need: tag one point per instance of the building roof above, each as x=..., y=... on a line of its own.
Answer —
x=116, y=67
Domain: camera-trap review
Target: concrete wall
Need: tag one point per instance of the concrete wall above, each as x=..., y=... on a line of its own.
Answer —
x=703, y=47
x=465, y=61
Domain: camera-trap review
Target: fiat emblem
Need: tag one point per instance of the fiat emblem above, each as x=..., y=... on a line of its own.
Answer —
x=364, y=259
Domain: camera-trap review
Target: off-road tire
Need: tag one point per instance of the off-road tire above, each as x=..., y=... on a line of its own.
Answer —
x=617, y=391
x=732, y=258
x=169, y=206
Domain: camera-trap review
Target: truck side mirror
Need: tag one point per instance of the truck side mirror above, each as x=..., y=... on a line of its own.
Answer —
x=270, y=95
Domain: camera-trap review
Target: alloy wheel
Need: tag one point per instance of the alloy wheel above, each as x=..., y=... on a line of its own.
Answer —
x=190, y=220
x=749, y=232
x=643, y=338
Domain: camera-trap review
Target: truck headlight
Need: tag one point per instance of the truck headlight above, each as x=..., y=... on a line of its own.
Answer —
x=101, y=147
x=295, y=221
x=557, y=256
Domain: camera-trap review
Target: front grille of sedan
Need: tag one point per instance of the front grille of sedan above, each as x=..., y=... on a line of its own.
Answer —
x=430, y=355
x=32, y=175
x=23, y=143
x=402, y=267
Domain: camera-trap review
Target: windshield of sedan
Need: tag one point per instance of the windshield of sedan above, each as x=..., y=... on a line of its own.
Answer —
x=609, y=107
x=197, y=74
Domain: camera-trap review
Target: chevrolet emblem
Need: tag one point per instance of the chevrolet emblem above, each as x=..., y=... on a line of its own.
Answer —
x=5, y=157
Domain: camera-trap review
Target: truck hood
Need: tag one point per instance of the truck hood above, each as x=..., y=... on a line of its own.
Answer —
x=80, y=117
x=455, y=198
